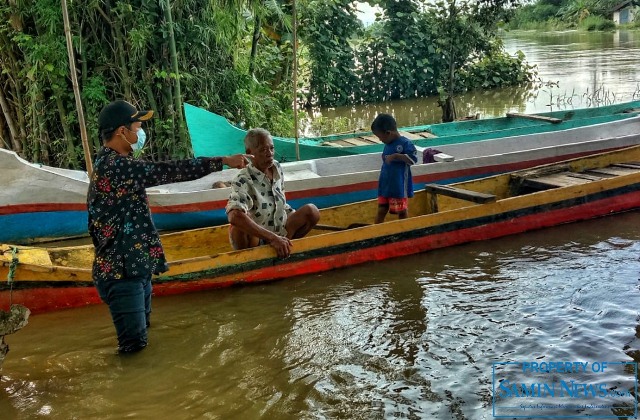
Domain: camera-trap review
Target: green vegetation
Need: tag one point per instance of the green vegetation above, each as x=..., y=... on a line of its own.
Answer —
x=596, y=23
x=589, y=15
x=414, y=49
x=234, y=58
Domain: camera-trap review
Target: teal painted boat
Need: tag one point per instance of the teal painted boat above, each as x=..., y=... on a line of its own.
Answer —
x=212, y=135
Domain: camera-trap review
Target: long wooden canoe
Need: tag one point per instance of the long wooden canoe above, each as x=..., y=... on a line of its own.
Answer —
x=213, y=135
x=45, y=279
x=39, y=202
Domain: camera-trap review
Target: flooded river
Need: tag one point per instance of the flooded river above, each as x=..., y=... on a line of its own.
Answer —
x=410, y=338
x=576, y=69
x=415, y=337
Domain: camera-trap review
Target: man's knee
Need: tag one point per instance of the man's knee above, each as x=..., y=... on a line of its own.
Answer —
x=312, y=214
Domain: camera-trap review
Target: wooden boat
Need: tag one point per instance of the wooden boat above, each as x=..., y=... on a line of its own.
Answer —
x=442, y=215
x=213, y=135
x=39, y=202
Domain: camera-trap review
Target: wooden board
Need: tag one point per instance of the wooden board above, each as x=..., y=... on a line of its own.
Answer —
x=352, y=141
x=629, y=165
x=563, y=179
x=567, y=178
x=426, y=135
x=590, y=177
x=621, y=169
x=330, y=143
x=534, y=117
x=372, y=139
x=357, y=142
x=611, y=171
x=25, y=255
x=462, y=194
x=411, y=136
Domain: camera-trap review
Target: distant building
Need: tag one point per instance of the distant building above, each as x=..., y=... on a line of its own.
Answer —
x=626, y=11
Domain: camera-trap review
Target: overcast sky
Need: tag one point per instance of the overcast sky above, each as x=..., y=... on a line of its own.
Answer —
x=366, y=13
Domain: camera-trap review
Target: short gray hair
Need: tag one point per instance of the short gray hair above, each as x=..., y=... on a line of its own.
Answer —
x=253, y=137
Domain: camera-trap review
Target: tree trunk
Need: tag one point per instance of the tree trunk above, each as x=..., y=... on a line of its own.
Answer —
x=121, y=55
x=14, y=92
x=40, y=150
x=15, y=141
x=177, y=95
x=254, y=44
x=68, y=136
x=169, y=112
x=448, y=109
x=5, y=140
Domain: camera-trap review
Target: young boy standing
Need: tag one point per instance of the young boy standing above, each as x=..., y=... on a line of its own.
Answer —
x=395, y=185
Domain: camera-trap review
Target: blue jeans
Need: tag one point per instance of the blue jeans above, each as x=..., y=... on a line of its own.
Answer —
x=129, y=302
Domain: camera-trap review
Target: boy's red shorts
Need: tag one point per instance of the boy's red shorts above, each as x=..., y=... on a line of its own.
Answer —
x=396, y=205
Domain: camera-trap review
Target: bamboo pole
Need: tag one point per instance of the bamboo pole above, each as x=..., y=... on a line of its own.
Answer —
x=76, y=89
x=295, y=79
x=177, y=94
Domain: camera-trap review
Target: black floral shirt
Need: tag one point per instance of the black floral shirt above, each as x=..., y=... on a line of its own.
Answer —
x=126, y=241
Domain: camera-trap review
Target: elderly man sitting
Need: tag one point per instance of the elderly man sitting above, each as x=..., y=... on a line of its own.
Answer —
x=257, y=208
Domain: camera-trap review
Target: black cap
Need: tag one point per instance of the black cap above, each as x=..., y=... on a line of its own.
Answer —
x=119, y=113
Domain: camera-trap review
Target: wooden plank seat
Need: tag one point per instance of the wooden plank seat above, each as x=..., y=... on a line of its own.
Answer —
x=426, y=135
x=619, y=170
x=532, y=182
x=331, y=144
x=582, y=175
x=543, y=181
x=455, y=192
x=358, y=141
x=629, y=165
x=610, y=171
x=371, y=139
x=337, y=143
x=411, y=136
x=551, y=120
x=563, y=179
x=352, y=141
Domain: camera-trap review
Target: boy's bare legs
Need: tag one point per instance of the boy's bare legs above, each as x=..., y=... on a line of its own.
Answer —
x=403, y=214
x=301, y=221
x=383, y=209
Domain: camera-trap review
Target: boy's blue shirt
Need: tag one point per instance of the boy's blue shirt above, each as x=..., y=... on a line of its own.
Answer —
x=395, y=178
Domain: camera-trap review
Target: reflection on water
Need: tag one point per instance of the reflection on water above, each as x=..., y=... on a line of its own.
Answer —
x=585, y=69
x=409, y=338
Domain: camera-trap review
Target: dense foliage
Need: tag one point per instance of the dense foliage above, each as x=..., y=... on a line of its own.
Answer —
x=135, y=50
x=567, y=14
x=233, y=57
x=414, y=49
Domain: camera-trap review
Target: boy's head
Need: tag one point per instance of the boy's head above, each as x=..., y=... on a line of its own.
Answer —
x=385, y=128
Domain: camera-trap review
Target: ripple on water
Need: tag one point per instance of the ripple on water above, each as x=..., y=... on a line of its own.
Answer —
x=409, y=338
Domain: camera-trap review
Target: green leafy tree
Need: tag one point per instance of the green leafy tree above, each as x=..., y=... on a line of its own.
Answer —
x=155, y=54
x=328, y=27
x=467, y=37
x=397, y=54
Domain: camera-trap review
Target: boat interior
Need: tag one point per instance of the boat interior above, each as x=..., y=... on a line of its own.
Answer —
x=469, y=125
x=433, y=199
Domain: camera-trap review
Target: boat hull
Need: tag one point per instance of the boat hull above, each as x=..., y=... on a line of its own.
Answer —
x=39, y=204
x=43, y=289
x=213, y=135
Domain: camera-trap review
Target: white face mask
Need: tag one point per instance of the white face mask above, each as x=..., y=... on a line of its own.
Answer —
x=142, y=138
